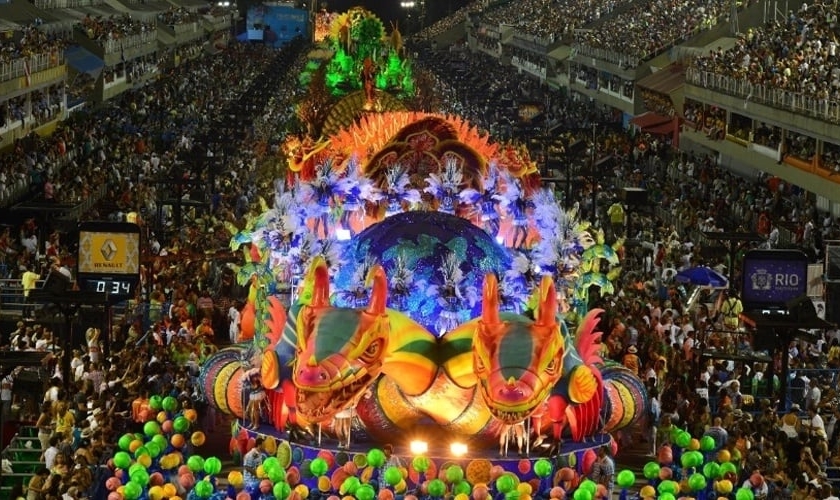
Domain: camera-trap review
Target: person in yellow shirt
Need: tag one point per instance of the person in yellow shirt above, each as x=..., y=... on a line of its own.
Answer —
x=29, y=281
x=731, y=309
x=616, y=215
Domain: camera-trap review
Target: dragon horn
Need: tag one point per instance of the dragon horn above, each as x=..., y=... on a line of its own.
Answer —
x=490, y=301
x=379, y=295
x=547, y=313
x=319, y=274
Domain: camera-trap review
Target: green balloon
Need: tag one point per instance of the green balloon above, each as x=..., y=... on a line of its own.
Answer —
x=125, y=441
x=350, y=485
x=276, y=474
x=156, y=402
x=542, y=468
x=420, y=464
x=271, y=463
x=462, y=487
x=728, y=467
x=393, y=476
x=319, y=466
x=376, y=457
x=122, y=460
x=203, y=489
x=667, y=496
x=668, y=486
x=505, y=483
x=140, y=477
x=454, y=474
x=436, y=488
x=161, y=441
x=139, y=452
x=195, y=463
x=711, y=470
x=512, y=495
x=683, y=439
x=170, y=403
x=707, y=443
x=744, y=494
x=132, y=490
x=153, y=449
x=626, y=478
x=212, y=466
x=151, y=428
x=696, y=481
x=181, y=424
x=365, y=492
x=134, y=468
x=651, y=470
x=582, y=494
x=282, y=490
x=589, y=485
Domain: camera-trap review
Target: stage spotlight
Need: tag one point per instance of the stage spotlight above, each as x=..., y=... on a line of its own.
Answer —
x=458, y=449
x=418, y=447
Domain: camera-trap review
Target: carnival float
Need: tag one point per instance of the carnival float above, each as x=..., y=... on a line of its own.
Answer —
x=413, y=287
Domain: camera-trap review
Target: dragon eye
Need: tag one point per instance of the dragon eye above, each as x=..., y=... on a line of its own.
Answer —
x=552, y=366
x=372, y=350
x=479, y=364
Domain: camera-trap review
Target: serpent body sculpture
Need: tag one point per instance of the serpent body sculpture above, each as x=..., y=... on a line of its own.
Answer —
x=490, y=372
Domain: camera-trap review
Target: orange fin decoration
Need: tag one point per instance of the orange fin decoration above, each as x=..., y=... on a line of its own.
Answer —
x=546, y=315
x=321, y=283
x=276, y=322
x=490, y=300
x=379, y=290
x=255, y=253
x=588, y=338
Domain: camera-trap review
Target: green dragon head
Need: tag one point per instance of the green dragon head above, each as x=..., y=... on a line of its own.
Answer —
x=340, y=351
x=517, y=361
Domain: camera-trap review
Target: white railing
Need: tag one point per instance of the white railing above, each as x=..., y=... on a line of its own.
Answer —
x=64, y=4
x=39, y=62
x=130, y=41
x=824, y=109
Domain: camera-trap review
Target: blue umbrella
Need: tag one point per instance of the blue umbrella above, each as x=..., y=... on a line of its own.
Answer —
x=702, y=276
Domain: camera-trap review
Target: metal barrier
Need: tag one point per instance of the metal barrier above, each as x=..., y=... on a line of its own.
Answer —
x=824, y=109
x=11, y=296
x=23, y=66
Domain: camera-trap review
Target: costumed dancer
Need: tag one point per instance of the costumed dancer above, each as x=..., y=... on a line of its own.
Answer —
x=343, y=423
x=446, y=187
x=450, y=296
x=490, y=199
x=257, y=401
x=397, y=190
x=318, y=194
x=512, y=431
x=516, y=204
x=355, y=190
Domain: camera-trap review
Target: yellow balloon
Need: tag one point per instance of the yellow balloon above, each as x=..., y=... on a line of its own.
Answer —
x=366, y=476
x=156, y=493
x=302, y=490
x=724, y=456
x=648, y=491
x=176, y=497
x=524, y=489
x=236, y=479
x=260, y=472
x=161, y=417
x=724, y=486
x=270, y=445
x=694, y=444
x=404, y=472
x=461, y=496
x=524, y=497
x=400, y=487
x=324, y=484
x=144, y=460
x=169, y=490
x=134, y=445
x=121, y=490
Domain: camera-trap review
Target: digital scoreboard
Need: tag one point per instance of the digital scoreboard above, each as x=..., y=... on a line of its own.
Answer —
x=109, y=258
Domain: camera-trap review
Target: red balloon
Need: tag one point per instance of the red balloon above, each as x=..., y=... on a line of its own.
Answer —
x=114, y=496
x=265, y=486
x=665, y=473
x=243, y=495
x=587, y=461
x=112, y=483
x=187, y=481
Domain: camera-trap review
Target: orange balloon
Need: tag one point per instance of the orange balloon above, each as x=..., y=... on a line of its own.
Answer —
x=169, y=490
x=177, y=441
x=190, y=415
x=247, y=322
x=134, y=445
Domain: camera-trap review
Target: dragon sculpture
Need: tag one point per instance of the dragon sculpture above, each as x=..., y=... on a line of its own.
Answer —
x=493, y=371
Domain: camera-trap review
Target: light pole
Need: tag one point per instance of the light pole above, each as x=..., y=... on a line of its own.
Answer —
x=594, y=177
x=408, y=6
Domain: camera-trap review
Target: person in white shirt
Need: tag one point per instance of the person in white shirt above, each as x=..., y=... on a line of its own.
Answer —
x=234, y=316
x=812, y=399
x=816, y=426
x=51, y=452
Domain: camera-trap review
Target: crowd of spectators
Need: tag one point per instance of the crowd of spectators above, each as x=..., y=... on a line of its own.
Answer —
x=446, y=23
x=177, y=15
x=798, y=54
x=542, y=19
x=30, y=41
x=113, y=28
x=646, y=29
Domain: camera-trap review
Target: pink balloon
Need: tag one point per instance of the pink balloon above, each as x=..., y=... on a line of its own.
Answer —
x=156, y=479
x=410, y=497
x=587, y=461
x=557, y=492
x=184, y=469
x=265, y=486
x=112, y=483
x=114, y=496
x=496, y=471
x=386, y=494
x=351, y=468
x=333, y=497
x=110, y=464
x=480, y=492
x=243, y=495
x=119, y=473
x=601, y=491
x=665, y=473
x=187, y=481
x=166, y=427
x=614, y=447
